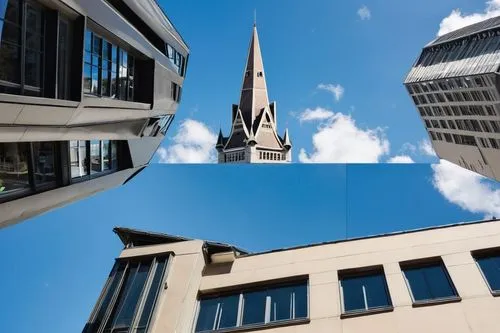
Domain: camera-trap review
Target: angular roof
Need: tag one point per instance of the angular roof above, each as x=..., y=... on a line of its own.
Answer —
x=472, y=29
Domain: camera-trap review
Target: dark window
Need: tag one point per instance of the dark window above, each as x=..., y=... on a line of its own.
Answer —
x=259, y=307
x=364, y=291
x=14, y=165
x=63, y=58
x=429, y=282
x=129, y=297
x=44, y=156
x=22, y=26
x=490, y=267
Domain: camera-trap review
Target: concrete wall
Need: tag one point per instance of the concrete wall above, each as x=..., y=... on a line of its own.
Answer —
x=475, y=313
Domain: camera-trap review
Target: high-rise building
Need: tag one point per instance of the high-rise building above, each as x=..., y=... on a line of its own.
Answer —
x=254, y=137
x=442, y=279
x=456, y=88
x=88, y=89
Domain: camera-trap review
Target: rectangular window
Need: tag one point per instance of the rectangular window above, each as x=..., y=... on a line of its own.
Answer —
x=44, y=156
x=92, y=158
x=364, y=291
x=14, y=161
x=129, y=296
x=253, y=308
x=22, y=43
x=489, y=264
x=109, y=71
x=429, y=282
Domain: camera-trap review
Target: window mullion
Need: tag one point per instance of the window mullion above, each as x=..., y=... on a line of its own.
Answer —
x=267, y=317
x=216, y=319
x=113, y=300
x=239, y=318
x=142, y=299
x=22, y=80
x=365, y=297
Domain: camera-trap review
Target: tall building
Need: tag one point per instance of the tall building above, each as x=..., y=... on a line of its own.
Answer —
x=435, y=280
x=456, y=88
x=254, y=137
x=88, y=89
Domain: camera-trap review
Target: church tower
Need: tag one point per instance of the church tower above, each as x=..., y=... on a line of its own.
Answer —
x=254, y=137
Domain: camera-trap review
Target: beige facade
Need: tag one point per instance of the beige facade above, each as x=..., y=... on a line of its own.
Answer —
x=198, y=269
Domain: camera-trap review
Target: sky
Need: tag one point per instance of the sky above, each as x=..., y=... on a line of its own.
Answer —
x=335, y=69
x=56, y=264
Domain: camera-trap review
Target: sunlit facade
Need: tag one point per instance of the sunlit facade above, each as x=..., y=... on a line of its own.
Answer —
x=435, y=280
x=88, y=90
x=455, y=86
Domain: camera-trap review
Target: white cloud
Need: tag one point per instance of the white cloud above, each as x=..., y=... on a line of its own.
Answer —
x=401, y=159
x=467, y=189
x=426, y=149
x=193, y=143
x=457, y=19
x=339, y=140
x=315, y=114
x=364, y=13
x=336, y=89
x=408, y=148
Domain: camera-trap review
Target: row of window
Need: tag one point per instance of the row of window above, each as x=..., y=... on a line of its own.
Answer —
x=458, y=110
x=465, y=125
x=234, y=157
x=129, y=297
x=451, y=84
x=177, y=59
x=271, y=156
x=450, y=97
x=254, y=307
x=361, y=291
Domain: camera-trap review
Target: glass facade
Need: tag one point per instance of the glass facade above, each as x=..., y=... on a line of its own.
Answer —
x=251, y=308
x=176, y=59
x=129, y=297
x=429, y=282
x=109, y=71
x=14, y=168
x=365, y=292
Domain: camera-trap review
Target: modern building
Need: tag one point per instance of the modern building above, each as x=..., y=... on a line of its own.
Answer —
x=456, y=88
x=88, y=89
x=436, y=280
x=254, y=136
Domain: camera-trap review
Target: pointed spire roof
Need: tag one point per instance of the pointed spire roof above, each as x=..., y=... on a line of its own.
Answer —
x=286, y=140
x=220, y=139
x=254, y=96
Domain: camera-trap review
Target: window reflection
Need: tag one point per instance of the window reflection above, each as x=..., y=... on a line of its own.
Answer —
x=95, y=157
x=43, y=153
x=13, y=167
x=78, y=156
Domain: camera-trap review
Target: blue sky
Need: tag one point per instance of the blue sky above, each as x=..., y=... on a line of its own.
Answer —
x=306, y=44
x=56, y=264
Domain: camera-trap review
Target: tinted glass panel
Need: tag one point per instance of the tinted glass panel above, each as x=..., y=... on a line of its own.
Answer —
x=95, y=156
x=152, y=295
x=79, y=159
x=365, y=292
x=228, y=311
x=281, y=303
x=491, y=270
x=14, y=159
x=254, y=307
x=207, y=314
x=354, y=299
x=429, y=282
x=43, y=153
x=301, y=304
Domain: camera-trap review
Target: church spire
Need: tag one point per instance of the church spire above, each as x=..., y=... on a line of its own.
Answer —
x=254, y=96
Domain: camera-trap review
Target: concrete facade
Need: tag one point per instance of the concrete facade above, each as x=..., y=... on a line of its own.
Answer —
x=199, y=269
x=104, y=74
x=455, y=87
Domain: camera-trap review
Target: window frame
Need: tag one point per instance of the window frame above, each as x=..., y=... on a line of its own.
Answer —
x=90, y=175
x=483, y=254
x=429, y=262
x=363, y=272
x=139, y=307
x=256, y=287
